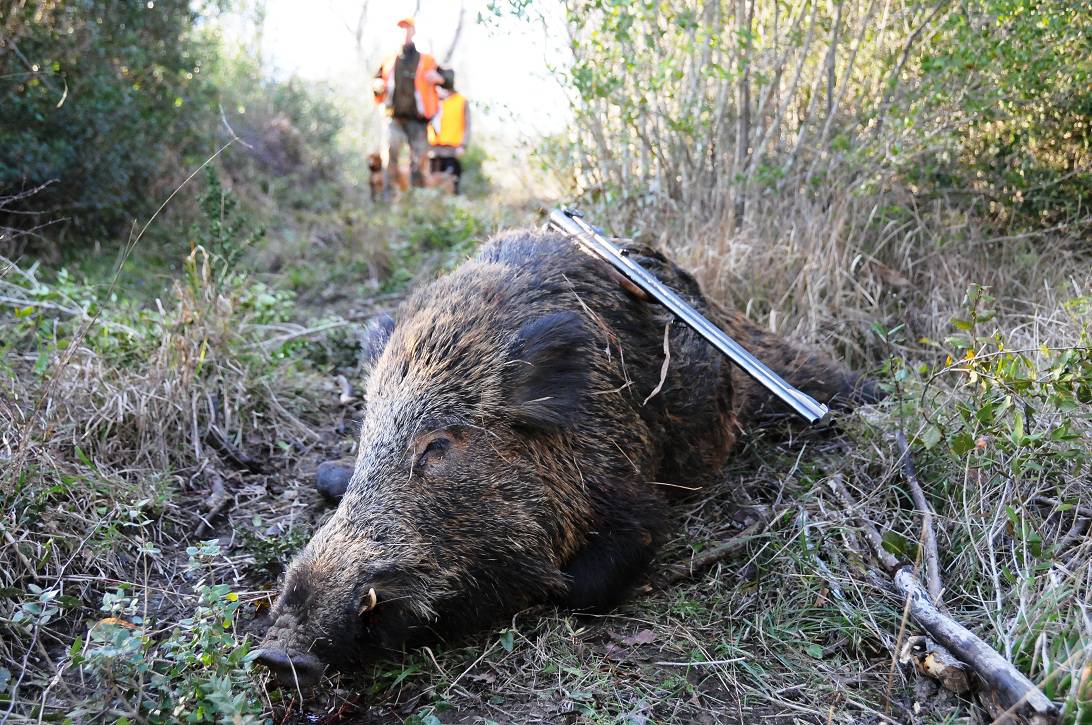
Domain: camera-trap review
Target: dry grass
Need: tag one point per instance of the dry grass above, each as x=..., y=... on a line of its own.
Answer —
x=103, y=430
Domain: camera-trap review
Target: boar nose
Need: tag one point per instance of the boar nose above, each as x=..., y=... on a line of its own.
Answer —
x=291, y=670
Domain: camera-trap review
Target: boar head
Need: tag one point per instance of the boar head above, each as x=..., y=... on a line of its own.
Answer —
x=466, y=497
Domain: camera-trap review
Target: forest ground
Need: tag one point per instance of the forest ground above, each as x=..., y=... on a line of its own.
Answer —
x=189, y=397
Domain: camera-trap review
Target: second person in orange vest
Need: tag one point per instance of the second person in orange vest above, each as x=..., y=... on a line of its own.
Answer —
x=449, y=131
x=406, y=86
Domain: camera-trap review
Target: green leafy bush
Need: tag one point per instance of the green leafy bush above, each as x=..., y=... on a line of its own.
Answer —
x=1024, y=113
x=99, y=97
x=198, y=673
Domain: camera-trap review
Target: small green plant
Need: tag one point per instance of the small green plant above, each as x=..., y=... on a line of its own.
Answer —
x=200, y=672
x=224, y=230
x=273, y=552
x=436, y=231
x=1015, y=402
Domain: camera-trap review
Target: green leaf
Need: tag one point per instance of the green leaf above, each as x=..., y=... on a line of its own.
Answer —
x=83, y=458
x=508, y=639
x=930, y=437
x=961, y=443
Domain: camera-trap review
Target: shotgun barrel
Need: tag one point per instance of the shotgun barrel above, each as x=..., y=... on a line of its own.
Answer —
x=571, y=223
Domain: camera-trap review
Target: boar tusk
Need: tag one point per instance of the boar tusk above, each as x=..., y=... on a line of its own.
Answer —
x=370, y=603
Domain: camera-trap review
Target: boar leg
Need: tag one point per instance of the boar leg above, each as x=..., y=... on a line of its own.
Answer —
x=603, y=572
x=332, y=478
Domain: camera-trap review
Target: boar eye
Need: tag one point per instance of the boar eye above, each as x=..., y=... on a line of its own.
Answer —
x=433, y=452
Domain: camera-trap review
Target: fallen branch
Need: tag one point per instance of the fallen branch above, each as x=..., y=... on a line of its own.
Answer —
x=928, y=535
x=1074, y=535
x=1008, y=693
x=346, y=390
x=220, y=443
x=724, y=550
x=218, y=500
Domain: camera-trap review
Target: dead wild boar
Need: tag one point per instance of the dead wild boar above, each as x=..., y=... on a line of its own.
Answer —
x=514, y=450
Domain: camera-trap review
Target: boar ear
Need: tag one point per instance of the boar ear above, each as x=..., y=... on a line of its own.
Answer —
x=548, y=374
x=376, y=334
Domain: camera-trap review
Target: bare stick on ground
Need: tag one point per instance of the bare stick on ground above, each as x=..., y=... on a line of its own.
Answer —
x=346, y=390
x=928, y=533
x=724, y=550
x=218, y=500
x=1007, y=692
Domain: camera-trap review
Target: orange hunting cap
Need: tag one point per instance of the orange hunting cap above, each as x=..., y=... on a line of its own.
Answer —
x=406, y=23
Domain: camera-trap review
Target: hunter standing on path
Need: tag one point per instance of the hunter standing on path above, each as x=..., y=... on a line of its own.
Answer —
x=449, y=132
x=406, y=85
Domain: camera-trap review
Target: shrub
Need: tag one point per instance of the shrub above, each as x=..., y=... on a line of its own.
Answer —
x=198, y=673
x=97, y=97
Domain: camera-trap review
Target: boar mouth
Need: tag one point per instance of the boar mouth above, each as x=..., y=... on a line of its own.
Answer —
x=291, y=669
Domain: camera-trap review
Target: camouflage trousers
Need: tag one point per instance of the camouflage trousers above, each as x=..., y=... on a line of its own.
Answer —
x=412, y=133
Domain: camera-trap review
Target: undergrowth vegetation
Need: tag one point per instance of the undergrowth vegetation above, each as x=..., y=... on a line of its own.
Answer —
x=107, y=402
x=118, y=413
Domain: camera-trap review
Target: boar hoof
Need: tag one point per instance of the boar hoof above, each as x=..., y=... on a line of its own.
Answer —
x=302, y=670
x=332, y=478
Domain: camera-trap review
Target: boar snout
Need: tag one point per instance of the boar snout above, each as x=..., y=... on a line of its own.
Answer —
x=302, y=670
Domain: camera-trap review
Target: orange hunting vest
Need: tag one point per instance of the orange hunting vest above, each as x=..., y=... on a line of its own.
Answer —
x=449, y=127
x=428, y=101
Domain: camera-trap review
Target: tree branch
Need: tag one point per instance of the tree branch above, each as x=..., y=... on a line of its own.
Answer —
x=928, y=535
x=455, y=38
x=1007, y=691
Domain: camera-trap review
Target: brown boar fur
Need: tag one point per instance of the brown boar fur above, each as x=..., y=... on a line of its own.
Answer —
x=508, y=454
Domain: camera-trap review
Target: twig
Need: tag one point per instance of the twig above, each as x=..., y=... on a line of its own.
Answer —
x=219, y=442
x=928, y=535
x=31, y=570
x=304, y=332
x=724, y=550
x=890, y=563
x=701, y=664
x=217, y=501
x=1082, y=510
x=1006, y=685
x=1082, y=517
x=1076, y=531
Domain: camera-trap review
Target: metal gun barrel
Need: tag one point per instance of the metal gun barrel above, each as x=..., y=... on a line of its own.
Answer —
x=570, y=223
